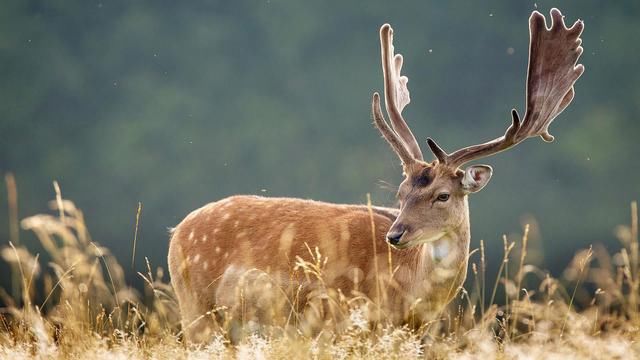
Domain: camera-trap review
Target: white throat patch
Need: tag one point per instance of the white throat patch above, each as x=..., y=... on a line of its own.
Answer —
x=442, y=251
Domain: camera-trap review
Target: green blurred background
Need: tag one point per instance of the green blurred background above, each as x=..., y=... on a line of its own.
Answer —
x=176, y=104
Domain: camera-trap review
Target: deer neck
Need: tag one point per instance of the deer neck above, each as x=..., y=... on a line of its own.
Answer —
x=442, y=266
x=450, y=251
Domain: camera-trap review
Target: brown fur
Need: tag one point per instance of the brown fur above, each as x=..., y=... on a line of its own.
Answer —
x=268, y=234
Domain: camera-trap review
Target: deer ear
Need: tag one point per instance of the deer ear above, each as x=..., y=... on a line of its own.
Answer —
x=475, y=178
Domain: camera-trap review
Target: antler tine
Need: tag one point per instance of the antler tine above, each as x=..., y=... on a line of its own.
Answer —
x=388, y=133
x=552, y=72
x=396, y=93
x=440, y=154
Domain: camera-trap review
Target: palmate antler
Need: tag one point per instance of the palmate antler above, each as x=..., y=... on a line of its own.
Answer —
x=553, y=54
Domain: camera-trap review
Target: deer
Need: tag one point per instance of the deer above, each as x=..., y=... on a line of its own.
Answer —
x=420, y=248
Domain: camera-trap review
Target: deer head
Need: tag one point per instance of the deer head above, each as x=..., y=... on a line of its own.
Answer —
x=433, y=195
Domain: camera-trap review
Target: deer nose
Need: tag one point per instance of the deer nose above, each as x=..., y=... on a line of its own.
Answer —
x=393, y=237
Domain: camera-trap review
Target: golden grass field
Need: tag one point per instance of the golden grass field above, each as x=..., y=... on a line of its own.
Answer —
x=88, y=311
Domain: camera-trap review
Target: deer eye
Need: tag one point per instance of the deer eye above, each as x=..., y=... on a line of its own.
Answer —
x=443, y=197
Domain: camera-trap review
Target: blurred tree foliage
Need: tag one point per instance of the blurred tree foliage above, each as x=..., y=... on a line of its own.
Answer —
x=175, y=104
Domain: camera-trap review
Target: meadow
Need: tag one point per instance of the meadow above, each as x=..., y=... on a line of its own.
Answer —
x=88, y=310
x=174, y=104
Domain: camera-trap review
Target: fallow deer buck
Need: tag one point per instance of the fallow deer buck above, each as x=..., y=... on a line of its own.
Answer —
x=420, y=248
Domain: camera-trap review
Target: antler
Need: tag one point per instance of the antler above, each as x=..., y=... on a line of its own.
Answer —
x=396, y=98
x=552, y=72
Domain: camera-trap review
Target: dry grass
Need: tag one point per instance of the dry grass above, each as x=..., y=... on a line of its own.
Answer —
x=89, y=311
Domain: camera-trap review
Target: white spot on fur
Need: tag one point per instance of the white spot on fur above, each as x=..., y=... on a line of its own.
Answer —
x=204, y=238
x=236, y=223
x=226, y=216
x=215, y=231
x=191, y=235
x=205, y=265
x=196, y=259
x=343, y=244
x=217, y=249
x=241, y=234
x=183, y=267
x=287, y=238
x=345, y=235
